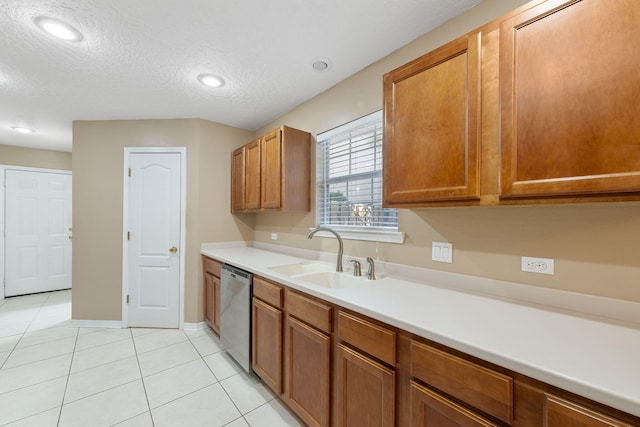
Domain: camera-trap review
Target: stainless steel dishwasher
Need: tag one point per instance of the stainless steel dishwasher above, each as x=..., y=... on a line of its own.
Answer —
x=235, y=314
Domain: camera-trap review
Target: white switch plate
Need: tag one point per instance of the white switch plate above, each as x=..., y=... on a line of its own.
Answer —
x=537, y=265
x=442, y=252
x=274, y=236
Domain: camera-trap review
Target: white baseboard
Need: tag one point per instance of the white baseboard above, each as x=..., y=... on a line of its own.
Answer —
x=194, y=326
x=113, y=324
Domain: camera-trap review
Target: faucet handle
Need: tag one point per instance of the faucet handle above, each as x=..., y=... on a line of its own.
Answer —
x=371, y=274
x=357, y=271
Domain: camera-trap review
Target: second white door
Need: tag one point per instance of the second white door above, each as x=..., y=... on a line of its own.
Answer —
x=154, y=218
x=38, y=229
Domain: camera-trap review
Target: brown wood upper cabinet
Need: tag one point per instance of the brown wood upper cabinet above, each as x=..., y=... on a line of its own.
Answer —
x=272, y=173
x=431, y=131
x=537, y=106
x=569, y=99
x=252, y=167
x=238, y=202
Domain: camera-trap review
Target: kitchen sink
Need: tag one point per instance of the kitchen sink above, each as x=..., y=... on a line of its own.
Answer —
x=332, y=279
x=321, y=274
x=306, y=267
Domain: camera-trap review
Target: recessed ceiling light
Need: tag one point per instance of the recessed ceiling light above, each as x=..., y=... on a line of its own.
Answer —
x=211, y=80
x=22, y=129
x=320, y=64
x=57, y=28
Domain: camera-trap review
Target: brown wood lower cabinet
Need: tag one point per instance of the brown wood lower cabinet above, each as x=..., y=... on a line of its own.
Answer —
x=266, y=340
x=477, y=386
x=308, y=372
x=211, y=275
x=363, y=372
x=267, y=344
x=365, y=390
x=429, y=409
x=559, y=412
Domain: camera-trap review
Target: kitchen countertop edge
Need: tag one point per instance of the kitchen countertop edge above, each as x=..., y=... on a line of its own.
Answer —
x=544, y=364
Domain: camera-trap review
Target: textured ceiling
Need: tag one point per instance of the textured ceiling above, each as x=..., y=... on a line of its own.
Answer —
x=139, y=59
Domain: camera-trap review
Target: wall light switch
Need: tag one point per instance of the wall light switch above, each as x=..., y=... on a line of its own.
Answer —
x=442, y=252
x=274, y=236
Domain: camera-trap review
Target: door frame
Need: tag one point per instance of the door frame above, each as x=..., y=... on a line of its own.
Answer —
x=128, y=151
x=3, y=168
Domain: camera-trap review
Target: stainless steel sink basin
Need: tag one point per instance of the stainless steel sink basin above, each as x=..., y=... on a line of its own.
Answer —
x=300, y=268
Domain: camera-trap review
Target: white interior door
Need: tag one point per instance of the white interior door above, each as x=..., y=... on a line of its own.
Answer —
x=154, y=215
x=38, y=230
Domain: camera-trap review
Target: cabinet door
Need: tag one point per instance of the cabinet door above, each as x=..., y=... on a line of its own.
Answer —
x=267, y=344
x=208, y=298
x=252, y=175
x=431, y=126
x=485, y=389
x=237, y=180
x=271, y=174
x=365, y=391
x=562, y=413
x=307, y=365
x=215, y=304
x=569, y=99
x=428, y=409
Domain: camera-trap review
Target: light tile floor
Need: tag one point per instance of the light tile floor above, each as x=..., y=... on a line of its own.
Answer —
x=52, y=374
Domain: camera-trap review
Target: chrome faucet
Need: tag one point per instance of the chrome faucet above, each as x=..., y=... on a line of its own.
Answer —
x=340, y=247
x=371, y=274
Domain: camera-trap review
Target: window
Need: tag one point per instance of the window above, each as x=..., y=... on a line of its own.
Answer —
x=349, y=179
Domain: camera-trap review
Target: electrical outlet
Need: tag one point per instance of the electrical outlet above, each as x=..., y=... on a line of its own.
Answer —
x=274, y=236
x=537, y=265
x=442, y=252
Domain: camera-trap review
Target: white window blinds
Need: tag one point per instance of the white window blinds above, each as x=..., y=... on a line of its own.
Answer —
x=349, y=177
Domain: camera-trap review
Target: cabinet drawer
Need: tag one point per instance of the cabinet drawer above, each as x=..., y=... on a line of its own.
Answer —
x=267, y=292
x=482, y=388
x=430, y=409
x=211, y=266
x=559, y=412
x=310, y=311
x=375, y=340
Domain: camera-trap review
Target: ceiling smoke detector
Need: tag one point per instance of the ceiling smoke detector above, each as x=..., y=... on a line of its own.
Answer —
x=58, y=29
x=320, y=64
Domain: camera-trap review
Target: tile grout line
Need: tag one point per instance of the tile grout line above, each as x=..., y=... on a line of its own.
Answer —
x=66, y=385
x=220, y=382
x=23, y=332
x=51, y=379
x=144, y=386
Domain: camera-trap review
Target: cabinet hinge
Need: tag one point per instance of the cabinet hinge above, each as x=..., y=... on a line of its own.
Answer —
x=129, y=171
x=127, y=298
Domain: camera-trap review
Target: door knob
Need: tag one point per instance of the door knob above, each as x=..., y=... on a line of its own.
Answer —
x=173, y=249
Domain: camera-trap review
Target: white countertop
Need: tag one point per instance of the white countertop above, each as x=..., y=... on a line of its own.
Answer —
x=593, y=356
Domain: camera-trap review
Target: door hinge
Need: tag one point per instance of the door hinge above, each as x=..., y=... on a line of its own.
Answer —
x=128, y=235
x=129, y=171
x=127, y=298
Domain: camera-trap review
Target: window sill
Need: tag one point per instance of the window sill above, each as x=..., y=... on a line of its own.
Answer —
x=384, y=236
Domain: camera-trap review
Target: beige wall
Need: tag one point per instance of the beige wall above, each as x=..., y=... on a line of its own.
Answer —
x=595, y=247
x=98, y=151
x=34, y=158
